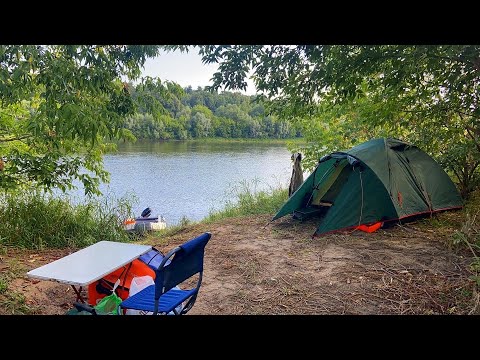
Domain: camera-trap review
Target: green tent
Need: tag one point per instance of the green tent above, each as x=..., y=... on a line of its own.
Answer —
x=379, y=180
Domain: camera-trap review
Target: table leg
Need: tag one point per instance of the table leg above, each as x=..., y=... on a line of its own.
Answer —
x=79, y=295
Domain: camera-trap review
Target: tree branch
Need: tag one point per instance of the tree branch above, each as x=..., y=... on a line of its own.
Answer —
x=457, y=175
x=470, y=132
x=20, y=138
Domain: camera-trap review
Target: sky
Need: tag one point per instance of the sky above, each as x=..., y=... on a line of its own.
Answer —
x=184, y=69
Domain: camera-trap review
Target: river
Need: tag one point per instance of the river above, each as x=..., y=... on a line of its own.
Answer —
x=191, y=178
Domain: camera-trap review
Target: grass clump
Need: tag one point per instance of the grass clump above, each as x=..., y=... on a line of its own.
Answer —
x=469, y=235
x=11, y=301
x=38, y=221
x=249, y=201
x=171, y=230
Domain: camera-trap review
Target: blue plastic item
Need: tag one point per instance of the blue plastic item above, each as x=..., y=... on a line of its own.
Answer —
x=153, y=258
x=165, y=296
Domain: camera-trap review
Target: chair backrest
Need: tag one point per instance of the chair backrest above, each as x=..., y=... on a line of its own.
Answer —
x=187, y=261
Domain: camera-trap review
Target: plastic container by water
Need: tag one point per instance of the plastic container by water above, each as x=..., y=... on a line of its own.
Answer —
x=129, y=224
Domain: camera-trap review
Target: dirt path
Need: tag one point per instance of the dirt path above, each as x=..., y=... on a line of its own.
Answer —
x=279, y=269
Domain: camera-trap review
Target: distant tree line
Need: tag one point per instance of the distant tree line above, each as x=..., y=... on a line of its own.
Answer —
x=183, y=114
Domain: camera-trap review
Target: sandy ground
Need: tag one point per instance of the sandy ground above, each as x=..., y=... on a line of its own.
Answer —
x=254, y=268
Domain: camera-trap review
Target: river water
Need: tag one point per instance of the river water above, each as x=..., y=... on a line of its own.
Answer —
x=190, y=178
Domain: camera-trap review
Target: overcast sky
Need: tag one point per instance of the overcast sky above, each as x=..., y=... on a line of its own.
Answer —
x=184, y=69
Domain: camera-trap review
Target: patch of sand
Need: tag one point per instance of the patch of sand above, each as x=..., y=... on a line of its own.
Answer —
x=254, y=268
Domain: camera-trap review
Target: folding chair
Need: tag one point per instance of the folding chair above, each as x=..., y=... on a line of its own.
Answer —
x=185, y=261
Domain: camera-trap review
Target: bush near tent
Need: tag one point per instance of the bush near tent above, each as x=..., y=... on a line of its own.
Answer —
x=380, y=180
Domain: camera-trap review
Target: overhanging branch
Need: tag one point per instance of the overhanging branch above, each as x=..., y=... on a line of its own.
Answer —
x=18, y=138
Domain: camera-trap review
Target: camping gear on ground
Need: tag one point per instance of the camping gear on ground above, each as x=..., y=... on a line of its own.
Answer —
x=146, y=264
x=380, y=180
x=146, y=212
x=75, y=311
x=145, y=223
x=107, y=306
x=138, y=284
x=370, y=228
x=87, y=265
x=149, y=224
x=186, y=261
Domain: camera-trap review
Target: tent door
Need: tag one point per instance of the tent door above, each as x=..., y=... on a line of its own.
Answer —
x=323, y=196
x=329, y=189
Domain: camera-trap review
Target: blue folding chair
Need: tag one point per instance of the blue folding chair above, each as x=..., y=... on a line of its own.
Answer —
x=178, y=265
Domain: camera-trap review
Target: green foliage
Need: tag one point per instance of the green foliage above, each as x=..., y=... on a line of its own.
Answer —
x=156, y=97
x=184, y=221
x=469, y=236
x=249, y=201
x=3, y=286
x=13, y=303
x=301, y=75
x=195, y=114
x=340, y=95
x=59, y=105
x=39, y=221
x=160, y=235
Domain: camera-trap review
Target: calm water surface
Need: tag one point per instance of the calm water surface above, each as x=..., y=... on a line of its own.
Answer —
x=190, y=179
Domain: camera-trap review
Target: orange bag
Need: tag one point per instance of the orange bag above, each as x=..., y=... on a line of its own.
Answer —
x=370, y=228
x=103, y=287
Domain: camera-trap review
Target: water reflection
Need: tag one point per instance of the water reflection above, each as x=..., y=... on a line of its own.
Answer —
x=182, y=178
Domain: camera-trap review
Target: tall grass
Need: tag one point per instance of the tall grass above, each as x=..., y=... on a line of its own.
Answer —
x=38, y=221
x=249, y=201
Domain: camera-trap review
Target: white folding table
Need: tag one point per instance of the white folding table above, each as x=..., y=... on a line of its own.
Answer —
x=89, y=264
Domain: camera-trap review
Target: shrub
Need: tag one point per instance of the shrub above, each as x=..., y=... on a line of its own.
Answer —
x=38, y=220
x=251, y=202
